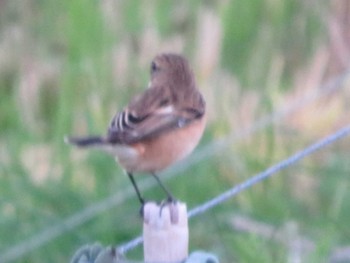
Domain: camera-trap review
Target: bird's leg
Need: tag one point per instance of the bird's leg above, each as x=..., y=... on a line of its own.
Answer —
x=170, y=201
x=170, y=197
x=131, y=177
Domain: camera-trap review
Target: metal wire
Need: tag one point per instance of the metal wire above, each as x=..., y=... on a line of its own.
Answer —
x=19, y=250
x=341, y=133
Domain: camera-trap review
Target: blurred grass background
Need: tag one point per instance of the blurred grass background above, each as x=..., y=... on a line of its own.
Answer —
x=67, y=66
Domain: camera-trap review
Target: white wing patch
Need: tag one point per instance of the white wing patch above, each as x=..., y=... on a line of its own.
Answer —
x=166, y=110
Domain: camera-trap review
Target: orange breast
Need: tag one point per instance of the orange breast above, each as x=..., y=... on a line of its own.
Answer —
x=158, y=153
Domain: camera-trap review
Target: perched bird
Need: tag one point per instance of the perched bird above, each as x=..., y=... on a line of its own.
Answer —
x=160, y=126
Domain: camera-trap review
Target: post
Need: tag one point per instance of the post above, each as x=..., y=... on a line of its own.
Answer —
x=165, y=233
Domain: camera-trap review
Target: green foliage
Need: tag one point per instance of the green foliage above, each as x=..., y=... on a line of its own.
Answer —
x=63, y=71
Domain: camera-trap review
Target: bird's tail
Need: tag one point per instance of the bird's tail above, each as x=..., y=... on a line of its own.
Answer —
x=85, y=141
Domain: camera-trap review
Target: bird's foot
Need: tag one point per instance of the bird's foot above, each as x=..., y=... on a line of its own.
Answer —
x=142, y=208
x=171, y=203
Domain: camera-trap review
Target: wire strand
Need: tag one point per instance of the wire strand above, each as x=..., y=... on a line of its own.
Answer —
x=341, y=133
x=270, y=171
x=19, y=250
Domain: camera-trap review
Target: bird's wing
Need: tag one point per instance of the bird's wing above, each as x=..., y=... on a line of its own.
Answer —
x=150, y=115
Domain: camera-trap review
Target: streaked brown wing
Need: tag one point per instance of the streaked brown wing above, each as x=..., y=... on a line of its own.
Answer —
x=151, y=126
x=149, y=101
x=151, y=114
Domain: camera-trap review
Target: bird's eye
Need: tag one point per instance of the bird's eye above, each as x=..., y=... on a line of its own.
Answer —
x=154, y=67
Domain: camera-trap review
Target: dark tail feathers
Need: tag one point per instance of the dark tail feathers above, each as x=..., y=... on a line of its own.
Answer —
x=85, y=141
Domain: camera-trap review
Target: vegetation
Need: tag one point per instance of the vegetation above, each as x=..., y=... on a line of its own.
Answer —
x=67, y=66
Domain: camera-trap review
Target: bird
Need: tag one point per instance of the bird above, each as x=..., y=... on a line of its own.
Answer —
x=159, y=127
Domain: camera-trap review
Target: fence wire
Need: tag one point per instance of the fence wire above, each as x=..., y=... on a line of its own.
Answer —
x=19, y=250
x=341, y=133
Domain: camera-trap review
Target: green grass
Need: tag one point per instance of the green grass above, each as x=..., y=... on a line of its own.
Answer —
x=67, y=66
